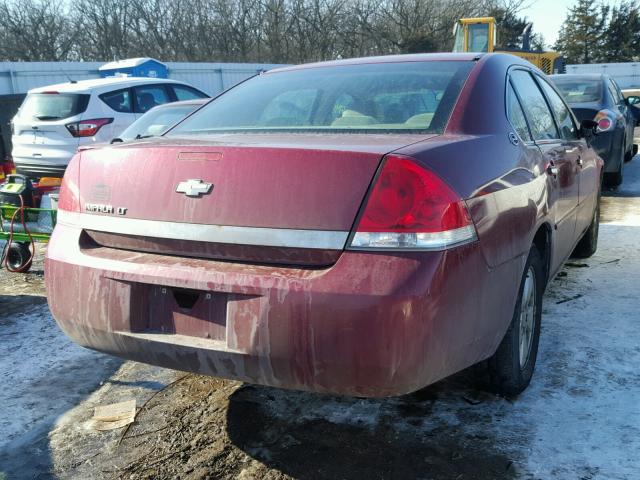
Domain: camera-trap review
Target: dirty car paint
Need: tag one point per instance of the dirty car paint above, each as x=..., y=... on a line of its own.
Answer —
x=326, y=319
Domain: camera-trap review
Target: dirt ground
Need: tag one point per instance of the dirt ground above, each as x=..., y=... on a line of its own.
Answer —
x=580, y=418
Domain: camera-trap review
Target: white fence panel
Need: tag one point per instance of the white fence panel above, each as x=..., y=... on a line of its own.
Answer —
x=212, y=78
x=627, y=75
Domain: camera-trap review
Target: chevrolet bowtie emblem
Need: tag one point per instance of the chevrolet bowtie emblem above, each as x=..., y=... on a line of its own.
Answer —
x=194, y=187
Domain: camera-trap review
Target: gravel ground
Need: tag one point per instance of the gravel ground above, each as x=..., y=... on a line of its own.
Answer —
x=579, y=419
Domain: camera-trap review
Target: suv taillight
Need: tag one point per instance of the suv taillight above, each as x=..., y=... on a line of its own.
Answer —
x=87, y=128
x=412, y=208
x=8, y=167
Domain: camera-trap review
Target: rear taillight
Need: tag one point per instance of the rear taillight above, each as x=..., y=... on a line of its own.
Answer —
x=87, y=128
x=605, y=119
x=69, y=199
x=412, y=208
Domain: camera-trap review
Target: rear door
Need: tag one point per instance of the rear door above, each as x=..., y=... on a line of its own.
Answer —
x=119, y=105
x=561, y=165
x=148, y=96
x=577, y=151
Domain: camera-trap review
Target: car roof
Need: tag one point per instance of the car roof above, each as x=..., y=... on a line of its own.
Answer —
x=165, y=106
x=579, y=76
x=98, y=83
x=195, y=101
x=416, y=57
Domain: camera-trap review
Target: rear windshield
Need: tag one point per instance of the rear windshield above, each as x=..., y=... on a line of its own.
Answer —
x=53, y=106
x=371, y=98
x=580, y=91
x=157, y=121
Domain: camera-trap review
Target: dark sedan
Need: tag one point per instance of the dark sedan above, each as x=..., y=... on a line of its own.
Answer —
x=363, y=227
x=598, y=97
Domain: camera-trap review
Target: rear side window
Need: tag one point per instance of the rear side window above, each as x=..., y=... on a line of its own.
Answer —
x=183, y=92
x=150, y=96
x=516, y=115
x=615, y=92
x=364, y=98
x=568, y=128
x=535, y=106
x=53, y=106
x=118, y=100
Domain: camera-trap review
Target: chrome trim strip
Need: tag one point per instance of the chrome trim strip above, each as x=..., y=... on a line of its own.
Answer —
x=259, y=236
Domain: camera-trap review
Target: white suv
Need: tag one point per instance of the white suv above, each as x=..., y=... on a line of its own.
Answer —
x=54, y=121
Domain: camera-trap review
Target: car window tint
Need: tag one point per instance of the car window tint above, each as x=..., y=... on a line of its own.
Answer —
x=150, y=96
x=187, y=93
x=579, y=91
x=367, y=98
x=157, y=121
x=289, y=108
x=535, y=106
x=516, y=115
x=118, y=100
x=568, y=128
x=612, y=92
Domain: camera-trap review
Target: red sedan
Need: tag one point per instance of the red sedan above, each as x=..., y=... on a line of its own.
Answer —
x=363, y=227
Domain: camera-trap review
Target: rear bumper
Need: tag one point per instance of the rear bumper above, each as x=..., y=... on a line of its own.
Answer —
x=603, y=144
x=39, y=170
x=371, y=325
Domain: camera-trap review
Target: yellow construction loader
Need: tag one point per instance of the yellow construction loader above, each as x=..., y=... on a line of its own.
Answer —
x=480, y=35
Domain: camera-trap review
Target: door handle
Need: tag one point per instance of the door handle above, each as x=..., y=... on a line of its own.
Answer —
x=552, y=170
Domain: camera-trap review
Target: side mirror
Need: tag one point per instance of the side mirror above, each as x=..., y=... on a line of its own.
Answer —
x=588, y=128
x=632, y=100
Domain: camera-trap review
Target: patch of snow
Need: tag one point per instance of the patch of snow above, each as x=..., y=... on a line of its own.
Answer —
x=43, y=373
x=579, y=418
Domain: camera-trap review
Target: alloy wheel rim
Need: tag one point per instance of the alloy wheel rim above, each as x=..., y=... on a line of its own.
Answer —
x=527, y=316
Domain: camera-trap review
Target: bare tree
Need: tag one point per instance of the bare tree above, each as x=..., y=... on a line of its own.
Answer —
x=36, y=30
x=287, y=31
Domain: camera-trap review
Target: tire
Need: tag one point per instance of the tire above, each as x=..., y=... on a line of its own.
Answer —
x=630, y=154
x=615, y=179
x=588, y=244
x=511, y=367
x=18, y=254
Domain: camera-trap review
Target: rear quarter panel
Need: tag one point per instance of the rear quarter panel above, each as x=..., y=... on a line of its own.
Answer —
x=504, y=185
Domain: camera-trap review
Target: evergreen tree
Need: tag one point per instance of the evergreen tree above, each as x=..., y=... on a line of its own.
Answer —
x=581, y=34
x=510, y=28
x=621, y=38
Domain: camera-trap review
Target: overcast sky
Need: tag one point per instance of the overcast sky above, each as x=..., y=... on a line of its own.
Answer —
x=547, y=16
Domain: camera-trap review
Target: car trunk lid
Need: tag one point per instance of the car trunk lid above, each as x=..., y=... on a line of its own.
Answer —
x=259, y=198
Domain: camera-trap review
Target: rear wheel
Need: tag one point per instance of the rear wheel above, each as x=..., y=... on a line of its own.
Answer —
x=588, y=244
x=511, y=367
x=631, y=153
